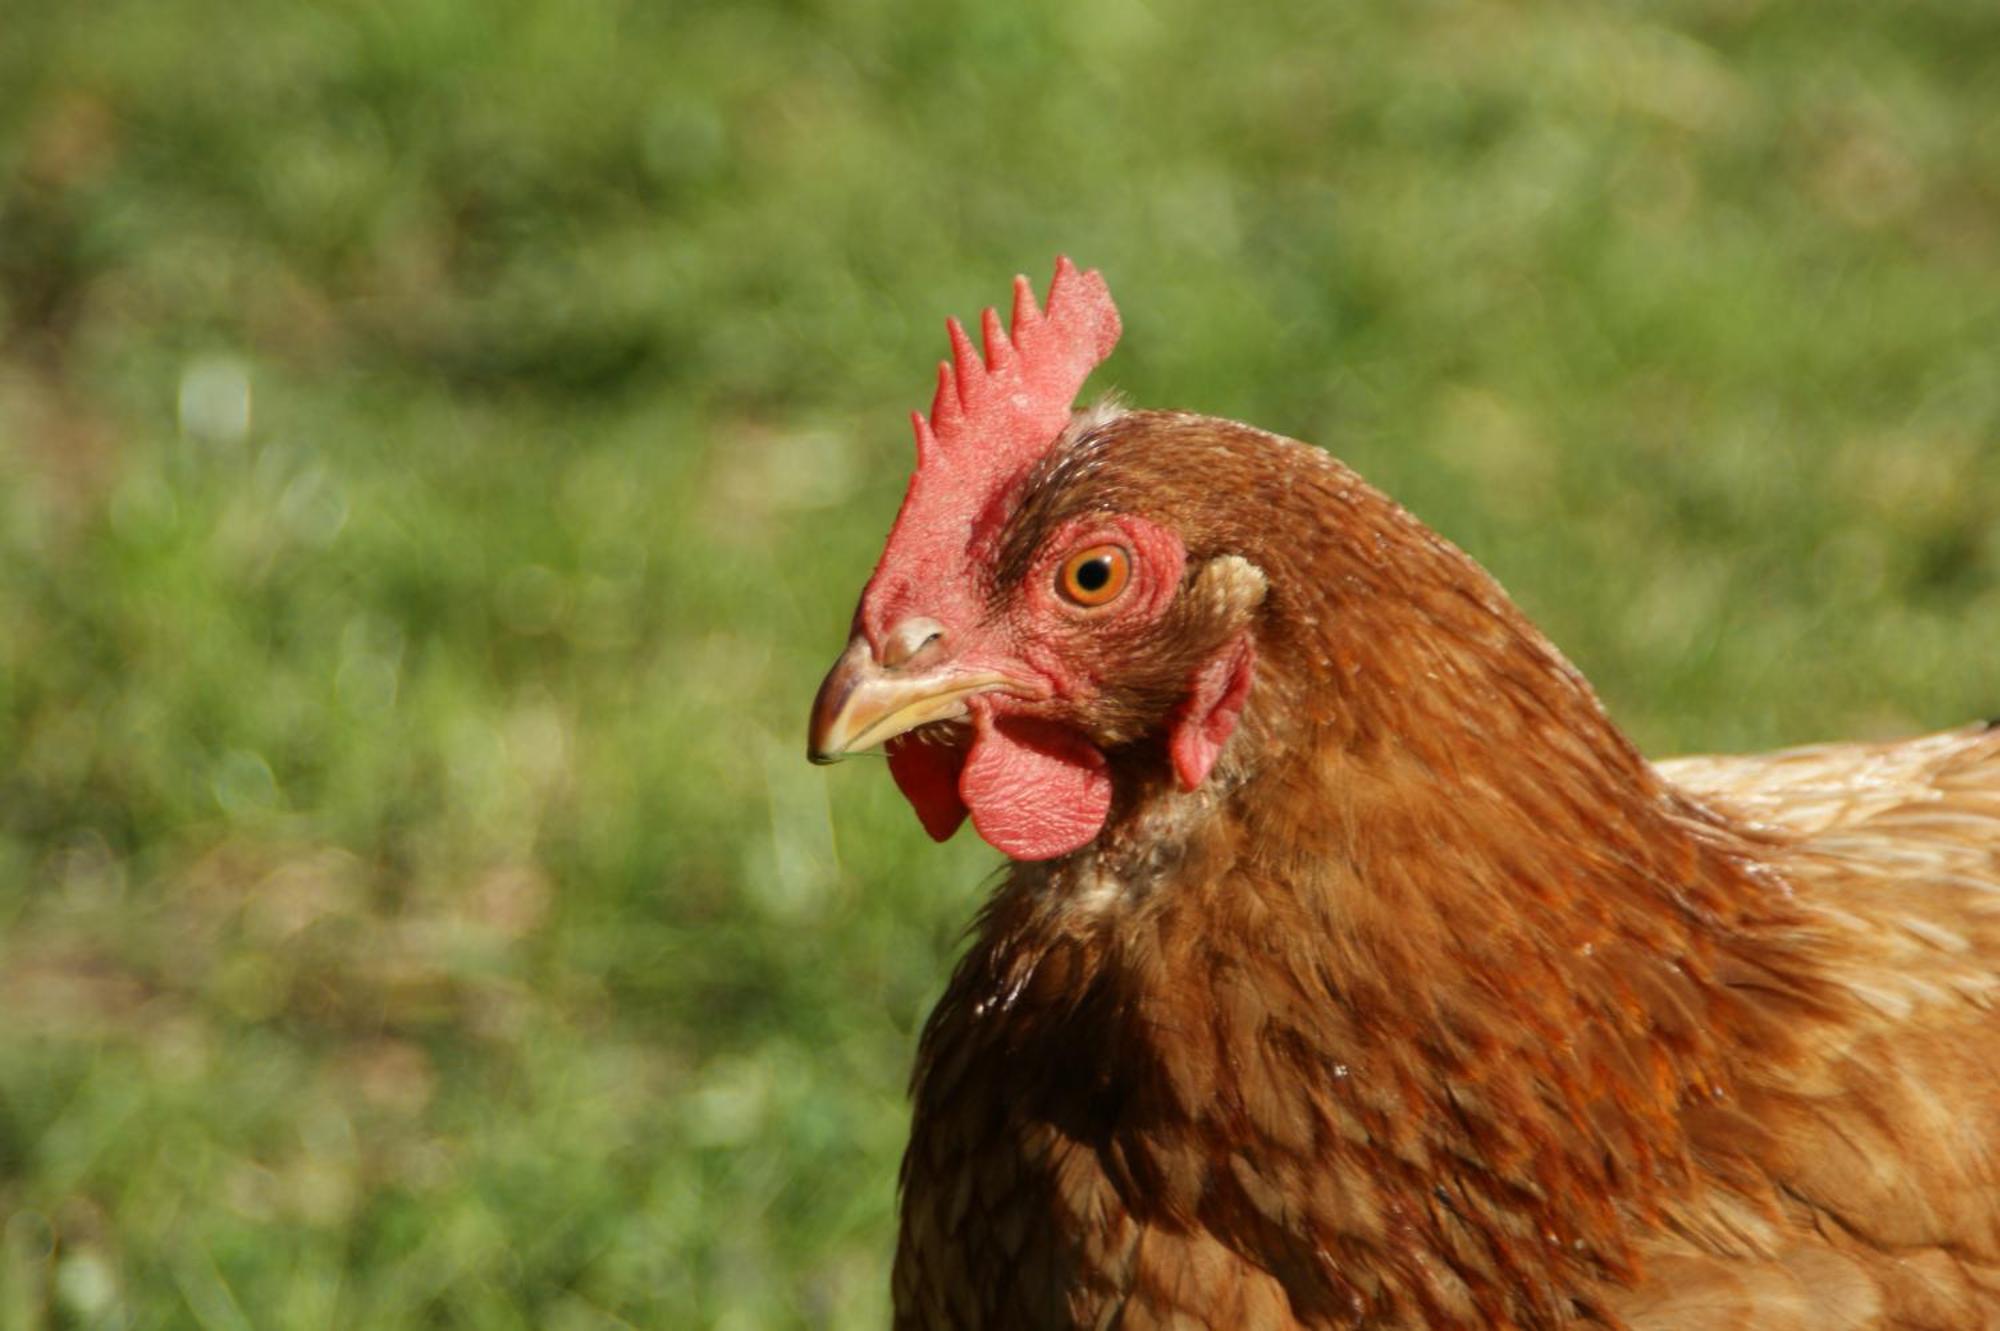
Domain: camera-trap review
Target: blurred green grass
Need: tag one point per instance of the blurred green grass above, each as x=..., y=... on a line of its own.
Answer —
x=440, y=444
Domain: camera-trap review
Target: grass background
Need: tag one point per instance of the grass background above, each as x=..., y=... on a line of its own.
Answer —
x=440, y=444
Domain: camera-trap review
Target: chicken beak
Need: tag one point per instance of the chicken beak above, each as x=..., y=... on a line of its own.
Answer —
x=862, y=703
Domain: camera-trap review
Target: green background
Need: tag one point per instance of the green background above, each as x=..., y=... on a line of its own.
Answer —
x=440, y=444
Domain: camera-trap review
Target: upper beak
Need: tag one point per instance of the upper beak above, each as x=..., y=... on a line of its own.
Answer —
x=862, y=703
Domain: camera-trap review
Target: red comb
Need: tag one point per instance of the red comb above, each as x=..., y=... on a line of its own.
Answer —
x=991, y=421
x=1008, y=407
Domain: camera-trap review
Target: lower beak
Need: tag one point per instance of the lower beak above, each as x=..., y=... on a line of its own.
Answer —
x=862, y=704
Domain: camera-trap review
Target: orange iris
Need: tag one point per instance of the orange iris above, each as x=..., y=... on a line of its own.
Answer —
x=1095, y=576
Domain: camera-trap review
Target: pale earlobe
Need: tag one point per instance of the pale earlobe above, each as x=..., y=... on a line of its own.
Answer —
x=1228, y=591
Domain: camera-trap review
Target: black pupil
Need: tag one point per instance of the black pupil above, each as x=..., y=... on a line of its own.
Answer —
x=1094, y=575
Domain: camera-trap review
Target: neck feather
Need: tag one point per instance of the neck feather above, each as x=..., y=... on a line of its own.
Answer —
x=1437, y=956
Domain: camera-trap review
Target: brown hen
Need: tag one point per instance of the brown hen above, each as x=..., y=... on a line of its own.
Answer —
x=1354, y=970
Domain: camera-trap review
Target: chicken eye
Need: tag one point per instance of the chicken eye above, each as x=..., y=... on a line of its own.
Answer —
x=1095, y=576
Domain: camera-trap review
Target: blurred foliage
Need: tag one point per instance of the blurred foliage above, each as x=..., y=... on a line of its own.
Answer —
x=440, y=444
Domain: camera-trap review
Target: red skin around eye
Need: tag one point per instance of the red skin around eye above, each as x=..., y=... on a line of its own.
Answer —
x=1046, y=624
x=1157, y=560
x=1035, y=787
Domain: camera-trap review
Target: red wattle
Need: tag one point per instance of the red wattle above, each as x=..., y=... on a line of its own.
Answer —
x=927, y=774
x=1036, y=789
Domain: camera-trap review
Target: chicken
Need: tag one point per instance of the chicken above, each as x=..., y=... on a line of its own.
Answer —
x=1353, y=969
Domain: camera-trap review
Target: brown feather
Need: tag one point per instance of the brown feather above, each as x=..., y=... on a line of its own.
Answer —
x=1439, y=1006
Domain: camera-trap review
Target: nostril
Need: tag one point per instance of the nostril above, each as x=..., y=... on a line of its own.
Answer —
x=909, y=640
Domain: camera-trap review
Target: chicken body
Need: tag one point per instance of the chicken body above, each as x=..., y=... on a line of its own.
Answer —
x=1432, y=1003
